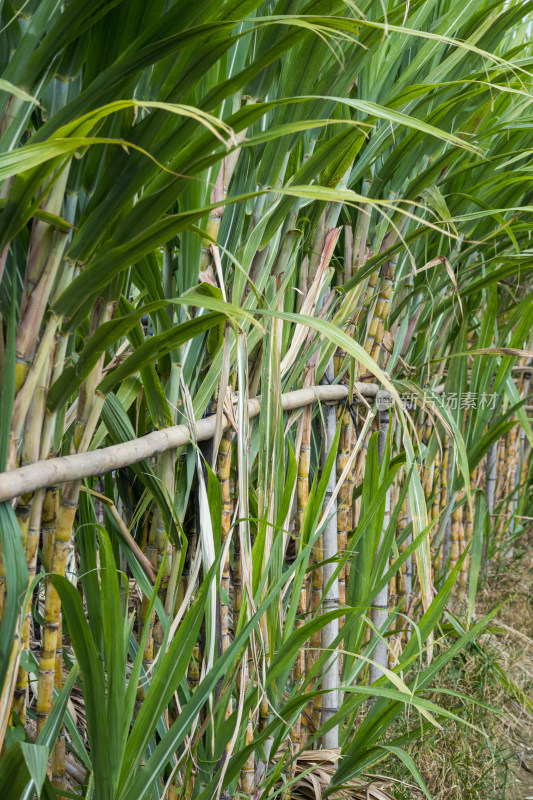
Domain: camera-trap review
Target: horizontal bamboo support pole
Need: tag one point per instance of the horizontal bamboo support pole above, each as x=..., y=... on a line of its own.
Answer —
x=97, y=462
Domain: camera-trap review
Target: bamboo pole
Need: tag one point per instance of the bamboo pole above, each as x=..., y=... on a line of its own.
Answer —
x=43, y=474
x=443, y=500
x=519, y=454
x=491, y=473
x=457, y=530
x=510, y=488
x=330, y=592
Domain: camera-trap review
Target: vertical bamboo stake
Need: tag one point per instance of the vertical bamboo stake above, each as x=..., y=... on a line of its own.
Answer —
x=510, y=489
x=491, y=473
x=468, y=532
x=380, y=607
x=520, y=451
x=330, y=599
x=457, y=531
x=446, y=497
x=500, y=473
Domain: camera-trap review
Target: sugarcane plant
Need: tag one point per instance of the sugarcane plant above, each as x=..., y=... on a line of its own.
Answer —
x=297, y=237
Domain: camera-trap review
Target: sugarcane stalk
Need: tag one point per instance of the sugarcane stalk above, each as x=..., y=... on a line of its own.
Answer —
x=29, y=516
x=84, y=429
x=468, y=533
x=148, y=619
x=52, y=609
x=45, y=254
x=362, y=226
x=247, y=775
x=405, y=576
x=243, y=556
x=58, y=753
x=26, y=392
x=224, y=474
x=31, y=548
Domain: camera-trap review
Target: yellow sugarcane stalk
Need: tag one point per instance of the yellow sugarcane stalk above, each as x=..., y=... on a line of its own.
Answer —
x=29, y=512
x=161, y=541
x=247, y=774
x=31, y=550
x=317, y=588
x=85, y=426
x=376, y=327
x=149, y=619
x=58, y=753
x=224, y=474
x=52, y=608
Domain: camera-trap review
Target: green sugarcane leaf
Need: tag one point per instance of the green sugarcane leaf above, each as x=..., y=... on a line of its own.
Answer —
x=22, y=763
x=16, y=586
x=115, y=655
x=94, y=684
x=51, y=728
x=7, y=385
x=404, y=756
x=157, y=346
